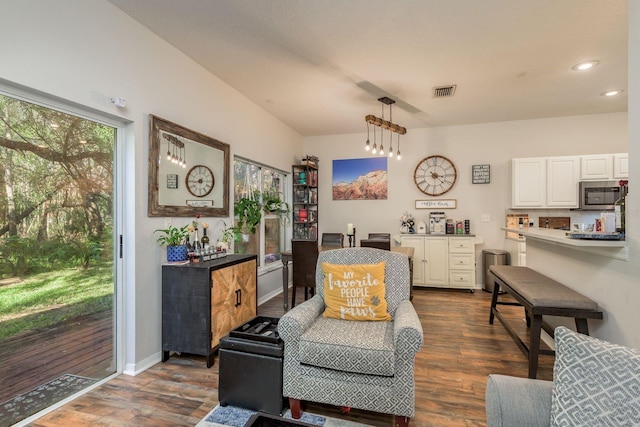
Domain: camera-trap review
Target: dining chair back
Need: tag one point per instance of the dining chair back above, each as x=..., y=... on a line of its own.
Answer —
x=333, y=239
x=304, y=256
x=384, y=236
x=376, y=243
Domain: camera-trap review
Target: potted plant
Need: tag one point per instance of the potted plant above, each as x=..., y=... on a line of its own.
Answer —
x=248, y=210
x=272, y=203
x=174, y=239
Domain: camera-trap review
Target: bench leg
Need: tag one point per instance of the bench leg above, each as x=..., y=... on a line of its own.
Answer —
x=534, y=344
x=582, y=326
x=494, y=301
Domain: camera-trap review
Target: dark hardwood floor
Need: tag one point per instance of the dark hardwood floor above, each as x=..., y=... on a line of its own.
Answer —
x=460, y=349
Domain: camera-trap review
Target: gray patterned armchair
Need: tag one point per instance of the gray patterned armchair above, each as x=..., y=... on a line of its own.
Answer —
x=359, y=364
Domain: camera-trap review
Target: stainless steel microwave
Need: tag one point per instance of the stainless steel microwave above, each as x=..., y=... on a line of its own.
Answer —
x=598, y=195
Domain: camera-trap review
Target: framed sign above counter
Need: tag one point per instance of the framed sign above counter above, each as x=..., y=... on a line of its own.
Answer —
x=436, y=204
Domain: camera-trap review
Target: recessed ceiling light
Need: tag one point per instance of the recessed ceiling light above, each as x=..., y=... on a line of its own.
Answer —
x=586, y=65
x=612, y=92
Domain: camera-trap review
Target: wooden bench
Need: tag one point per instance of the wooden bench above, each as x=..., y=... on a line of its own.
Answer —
x=539, y=295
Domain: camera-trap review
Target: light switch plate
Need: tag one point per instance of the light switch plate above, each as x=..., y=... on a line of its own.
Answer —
x=485, y=218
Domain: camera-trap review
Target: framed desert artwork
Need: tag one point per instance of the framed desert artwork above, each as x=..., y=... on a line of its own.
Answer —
x=360, y=179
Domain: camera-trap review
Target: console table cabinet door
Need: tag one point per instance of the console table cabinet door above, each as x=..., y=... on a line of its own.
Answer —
x=233, y=298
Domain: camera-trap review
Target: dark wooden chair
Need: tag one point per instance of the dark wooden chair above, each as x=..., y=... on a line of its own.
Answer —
x=376, y=243
x=380, y=236
x=304, y=256
x=333, y=239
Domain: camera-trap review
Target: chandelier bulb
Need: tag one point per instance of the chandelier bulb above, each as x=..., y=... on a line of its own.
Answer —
x=168, y=155
x=367, y=145
x=381, y=150
x=398, y=156
x=390, y=153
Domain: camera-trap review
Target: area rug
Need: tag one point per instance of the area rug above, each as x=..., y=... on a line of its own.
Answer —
x=27, y=404
x=231, y=416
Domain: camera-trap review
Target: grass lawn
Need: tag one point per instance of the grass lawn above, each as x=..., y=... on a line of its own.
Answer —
x=44, y=300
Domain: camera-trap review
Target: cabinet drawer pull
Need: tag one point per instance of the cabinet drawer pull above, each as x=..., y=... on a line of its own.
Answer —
x=238, y=297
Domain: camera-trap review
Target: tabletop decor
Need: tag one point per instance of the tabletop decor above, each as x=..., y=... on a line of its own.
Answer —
x=407, y=223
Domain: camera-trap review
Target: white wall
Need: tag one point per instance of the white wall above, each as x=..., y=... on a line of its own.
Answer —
x=87, y=51
x=490, y=143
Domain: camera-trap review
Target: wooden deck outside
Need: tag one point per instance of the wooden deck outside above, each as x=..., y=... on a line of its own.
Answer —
x=82, y=346
x=460, y=349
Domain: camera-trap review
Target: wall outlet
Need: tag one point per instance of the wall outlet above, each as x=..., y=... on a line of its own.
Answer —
x=167, y=222
x=485, y=218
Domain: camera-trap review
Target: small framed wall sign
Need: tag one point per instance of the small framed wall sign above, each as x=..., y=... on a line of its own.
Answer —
x=172, y=181
x=481, y=174
x=436, y=204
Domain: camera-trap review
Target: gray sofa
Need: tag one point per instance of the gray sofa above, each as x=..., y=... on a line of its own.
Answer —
x=596, y=383
x=359, y=364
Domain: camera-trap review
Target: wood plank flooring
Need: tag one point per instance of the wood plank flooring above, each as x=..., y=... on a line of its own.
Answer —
x=460, y=349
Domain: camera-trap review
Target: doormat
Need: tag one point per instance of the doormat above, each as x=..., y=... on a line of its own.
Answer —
x=231, y=416
x=26, y=404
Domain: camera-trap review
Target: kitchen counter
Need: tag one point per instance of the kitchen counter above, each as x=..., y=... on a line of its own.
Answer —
x=611, y=248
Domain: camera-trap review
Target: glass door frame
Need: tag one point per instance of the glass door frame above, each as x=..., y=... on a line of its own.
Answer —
x=124, y=138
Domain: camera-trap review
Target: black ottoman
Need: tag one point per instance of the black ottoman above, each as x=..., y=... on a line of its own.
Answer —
x=250, y=371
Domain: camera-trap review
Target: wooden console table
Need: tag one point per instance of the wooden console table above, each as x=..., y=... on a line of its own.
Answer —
x=202, y=302
x=286, y=257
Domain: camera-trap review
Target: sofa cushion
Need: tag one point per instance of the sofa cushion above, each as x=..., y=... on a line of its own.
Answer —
x=360, y=347
x=595, y=383
x=355, y=291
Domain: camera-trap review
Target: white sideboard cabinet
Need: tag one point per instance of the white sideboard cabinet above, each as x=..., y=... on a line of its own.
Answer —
x=443, y=261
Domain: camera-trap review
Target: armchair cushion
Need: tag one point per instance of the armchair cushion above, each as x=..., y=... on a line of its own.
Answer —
x=359, y=347
x=355, y=291
x=594, y=382
x=513, y=401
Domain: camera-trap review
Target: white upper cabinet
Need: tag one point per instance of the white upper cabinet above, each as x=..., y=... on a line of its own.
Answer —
x=620, y=165
x=596, y=167
x=563, y=175
x=542, y=182
x=529, y=182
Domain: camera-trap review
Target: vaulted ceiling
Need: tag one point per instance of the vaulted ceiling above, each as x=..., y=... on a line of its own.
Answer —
x=320, y=65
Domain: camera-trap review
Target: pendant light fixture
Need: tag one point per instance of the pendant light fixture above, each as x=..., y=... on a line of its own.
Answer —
x=176, y=151
x=384, y=124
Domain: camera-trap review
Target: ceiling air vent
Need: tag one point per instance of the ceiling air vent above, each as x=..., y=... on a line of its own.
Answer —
x=444, y=91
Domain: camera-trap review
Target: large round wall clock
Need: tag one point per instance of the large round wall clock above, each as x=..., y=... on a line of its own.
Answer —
x=435, y=175
x=199, y=180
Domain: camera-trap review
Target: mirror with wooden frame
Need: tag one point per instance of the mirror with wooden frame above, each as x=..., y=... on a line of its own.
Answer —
x=188, y=172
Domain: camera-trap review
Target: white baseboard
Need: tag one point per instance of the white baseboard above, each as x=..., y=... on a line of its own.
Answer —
x=134, y=369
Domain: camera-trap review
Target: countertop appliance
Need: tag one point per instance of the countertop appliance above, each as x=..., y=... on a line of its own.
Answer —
x=437, y=223
x=598, y=195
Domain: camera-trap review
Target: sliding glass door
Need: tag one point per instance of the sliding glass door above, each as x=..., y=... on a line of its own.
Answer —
x=57, y=256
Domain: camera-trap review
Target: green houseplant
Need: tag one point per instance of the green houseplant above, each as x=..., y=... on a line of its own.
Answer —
x=272, y=203
x=174, y=239
x=248, y=210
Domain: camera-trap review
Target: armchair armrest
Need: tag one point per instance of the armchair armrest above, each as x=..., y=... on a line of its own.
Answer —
x=512, y=401
x=407, y=329
x=298, y=319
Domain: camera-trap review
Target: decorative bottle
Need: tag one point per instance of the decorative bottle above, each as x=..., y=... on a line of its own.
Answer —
x=619, y=207
x=205, y=239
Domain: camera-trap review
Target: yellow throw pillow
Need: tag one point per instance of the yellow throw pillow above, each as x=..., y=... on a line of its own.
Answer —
x=355, y=291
